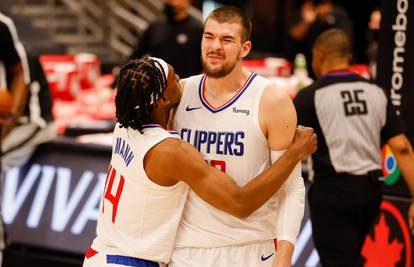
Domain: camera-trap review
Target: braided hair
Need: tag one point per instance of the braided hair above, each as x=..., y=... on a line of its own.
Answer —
x=140, y=84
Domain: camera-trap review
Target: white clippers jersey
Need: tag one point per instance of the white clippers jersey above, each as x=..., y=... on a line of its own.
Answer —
x=230, y=139
x=137, y=217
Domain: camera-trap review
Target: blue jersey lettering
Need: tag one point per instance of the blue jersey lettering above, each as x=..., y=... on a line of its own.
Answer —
x=212, y=137
x=238, y=142
x=229, y=143
x=124, y=150
x=222, y=143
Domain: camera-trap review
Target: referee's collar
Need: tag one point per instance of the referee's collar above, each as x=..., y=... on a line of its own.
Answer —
x=339, y=73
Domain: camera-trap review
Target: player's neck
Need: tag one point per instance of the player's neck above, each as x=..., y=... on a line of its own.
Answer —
x=160, y=116
x=229, y=84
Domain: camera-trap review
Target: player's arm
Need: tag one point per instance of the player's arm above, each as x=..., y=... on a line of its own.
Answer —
x=403, y=152
x=174, y=160
x=278, y=121
x=14, y=66
x=393, y=133
x=18, y=89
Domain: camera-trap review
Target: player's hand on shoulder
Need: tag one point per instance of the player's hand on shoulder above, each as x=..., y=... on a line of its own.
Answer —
x=304, y=143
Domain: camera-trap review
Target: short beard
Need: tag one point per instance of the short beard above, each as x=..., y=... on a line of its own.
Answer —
x=223, y=71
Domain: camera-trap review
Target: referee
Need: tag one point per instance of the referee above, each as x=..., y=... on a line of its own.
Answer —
x=351, y=116
x=32, y=121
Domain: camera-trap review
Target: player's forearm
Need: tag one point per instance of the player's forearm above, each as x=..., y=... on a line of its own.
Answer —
x=291, y=208
x=254, y=194
x=18, y=90
x=284, y=254
x=405, y=162
x=404, y=155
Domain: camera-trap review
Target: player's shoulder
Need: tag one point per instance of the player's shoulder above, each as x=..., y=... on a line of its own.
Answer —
x=275, y=95
x=196, y=77
x=170, y=151
x=276, y=105
x=168, y=145
x=192, y=81
x=183, y=81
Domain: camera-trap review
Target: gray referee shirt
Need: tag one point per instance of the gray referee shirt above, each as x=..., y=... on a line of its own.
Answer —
x=351, y=117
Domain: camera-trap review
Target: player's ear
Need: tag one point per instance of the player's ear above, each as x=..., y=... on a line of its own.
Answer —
x=163, y=101
x=246, y=47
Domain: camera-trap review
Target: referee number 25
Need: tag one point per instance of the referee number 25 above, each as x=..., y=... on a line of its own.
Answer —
x=353, y=104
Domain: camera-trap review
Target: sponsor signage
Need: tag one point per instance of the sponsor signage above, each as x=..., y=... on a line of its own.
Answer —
x=390, y=241
x=52, y=201
x=395, y=68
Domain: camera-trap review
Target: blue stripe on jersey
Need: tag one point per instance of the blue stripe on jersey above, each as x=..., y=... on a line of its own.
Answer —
x=130, y=261
x=228, y=104
x=175, y=134
x=339, y=74
x=154, y=125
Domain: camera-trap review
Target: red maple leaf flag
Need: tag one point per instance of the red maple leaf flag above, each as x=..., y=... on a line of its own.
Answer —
x=379, y=252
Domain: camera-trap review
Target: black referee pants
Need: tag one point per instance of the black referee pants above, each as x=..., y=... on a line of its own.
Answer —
x=343, y=210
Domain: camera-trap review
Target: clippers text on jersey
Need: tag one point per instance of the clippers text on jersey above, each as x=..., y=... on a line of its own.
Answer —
x=222, y=143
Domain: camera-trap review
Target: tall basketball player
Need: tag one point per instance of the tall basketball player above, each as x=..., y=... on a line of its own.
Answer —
x=241, y=123
x=146, y=185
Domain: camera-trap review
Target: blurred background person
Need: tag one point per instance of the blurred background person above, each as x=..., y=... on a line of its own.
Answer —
x=372, y=39
x=31, y=123
x=14, y=74
x=351, y=117
x=176, y=37
x=313, y=18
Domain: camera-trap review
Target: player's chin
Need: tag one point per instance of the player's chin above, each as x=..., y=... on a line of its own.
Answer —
x=215, y=68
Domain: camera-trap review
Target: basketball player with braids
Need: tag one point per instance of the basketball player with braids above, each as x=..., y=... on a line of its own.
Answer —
x=151, y=170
